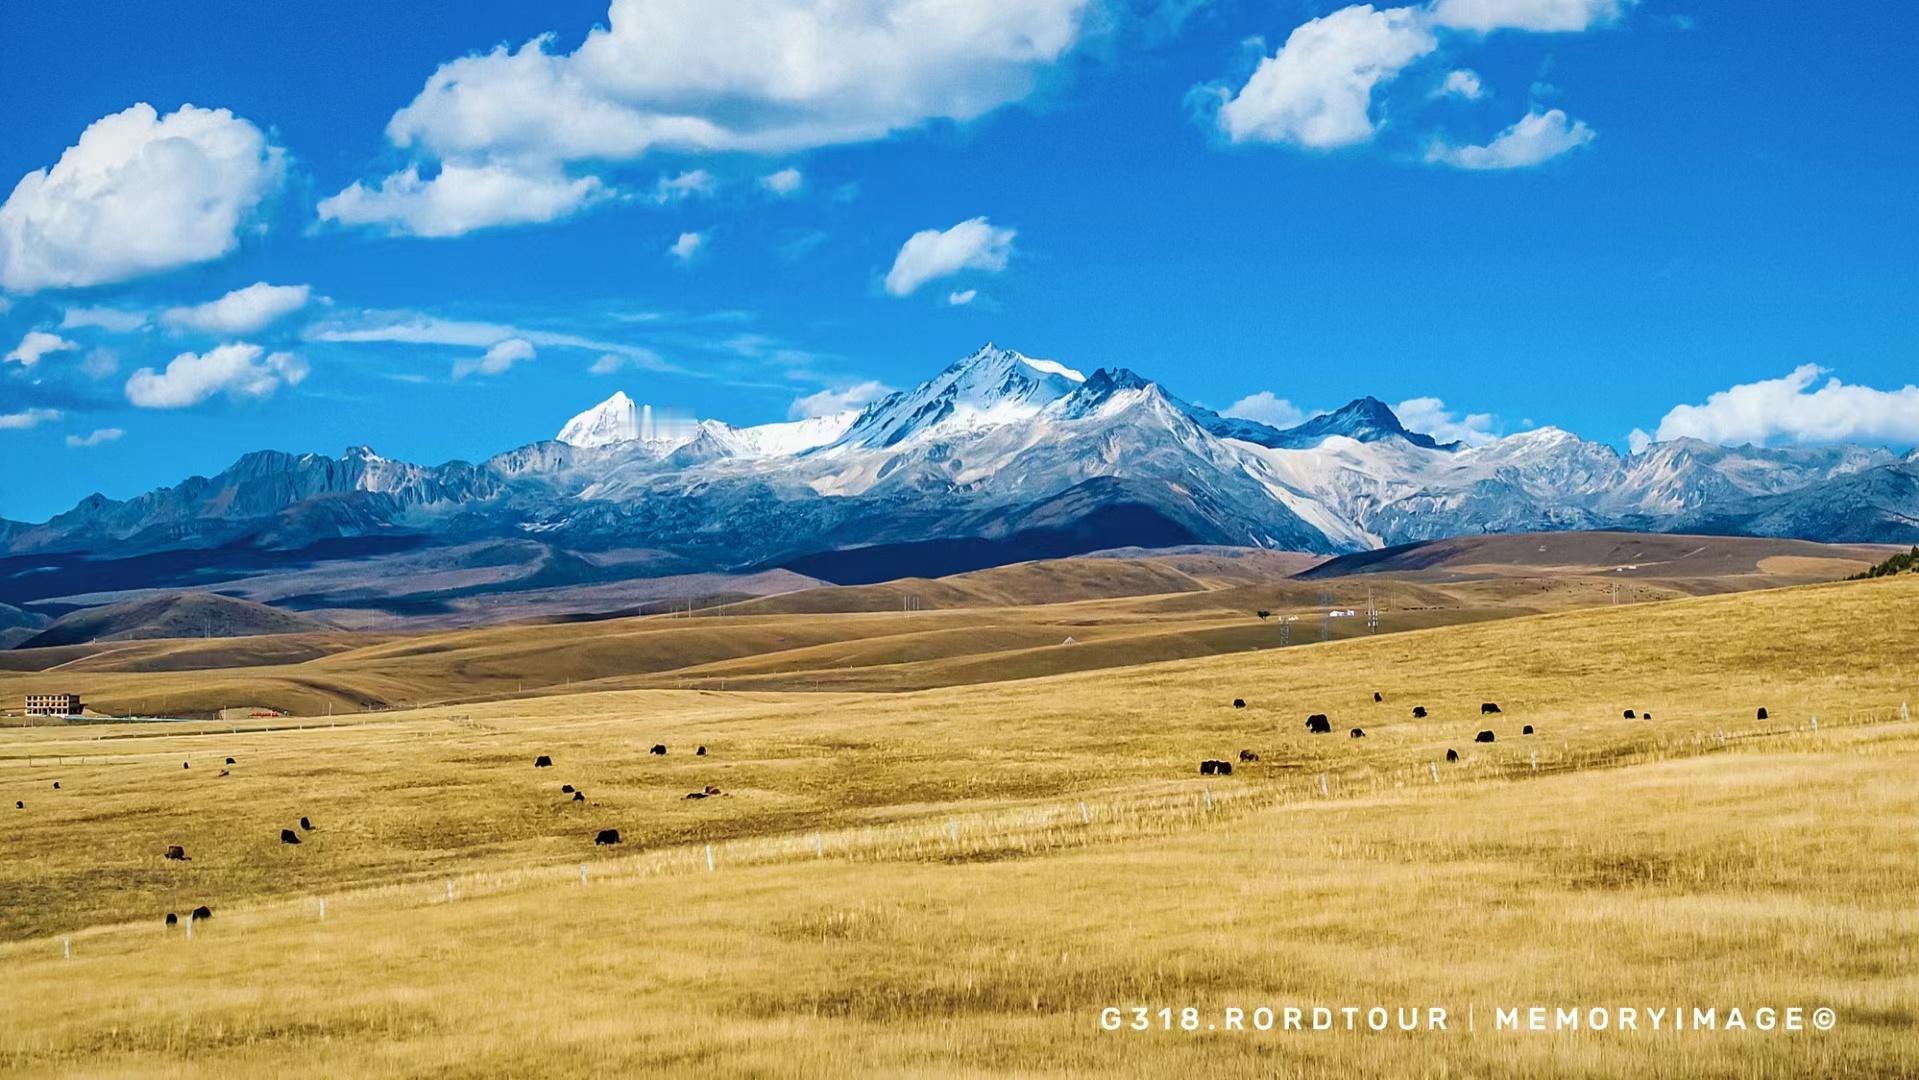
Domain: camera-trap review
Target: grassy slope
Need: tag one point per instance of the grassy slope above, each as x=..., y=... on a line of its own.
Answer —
x=1644, y=861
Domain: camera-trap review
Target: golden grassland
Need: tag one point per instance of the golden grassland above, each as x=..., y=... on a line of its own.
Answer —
x=1114, y=612
x=955, y=881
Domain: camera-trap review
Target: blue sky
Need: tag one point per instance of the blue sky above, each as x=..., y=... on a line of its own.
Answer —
x=1666, y=216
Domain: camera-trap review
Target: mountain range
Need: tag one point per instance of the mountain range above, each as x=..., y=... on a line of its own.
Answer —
x=1000, y=457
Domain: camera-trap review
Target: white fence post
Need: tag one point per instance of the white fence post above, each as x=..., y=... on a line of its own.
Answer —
x=582, y=873
x=323, y=909
x=1815, y=722
x=819, y=846
x=1084, y=817
x=952, y=829
x=1535, y=761
x=449, y=890
x=1434, y=766
x=1206, y=796
x=66, y=948
x=1323, y=792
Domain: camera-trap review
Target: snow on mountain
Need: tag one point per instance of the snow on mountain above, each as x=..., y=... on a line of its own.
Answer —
x=993, y=386
x=615, y=420
x=996, y=443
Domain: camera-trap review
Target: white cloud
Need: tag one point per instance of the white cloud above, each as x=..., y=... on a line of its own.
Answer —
x=1791, y=408
x=1266, y=408
x=1429, y=415
x=783, y=183
x=772, y=76
x=1462, y=83
x=37, y=345
x=1484, y=16
x=100, y=363
x=687, y=185
x=112, y=320
x=239, y=370
x=687, y=246
x=138, y=193
x=496, y=359
x=462, y=198
x=1317, y=90
x=26, y=421
x=834, y=402
x=930, y=254
x=414, y=328
x=1535, y=139
x=96, y=437
x=962, y=297
x=242, y=311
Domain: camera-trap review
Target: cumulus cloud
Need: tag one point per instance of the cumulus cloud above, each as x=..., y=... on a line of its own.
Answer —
x=832, y=402
x=687, y=246
x=95, y=437
x=961, y=297
x=783, y=183
x=971, y=245
x=496, y=359
x=27, y=420
x=1536, y=138
x=1462, y=83
x=242, y=311
x=138, y=193
x=694, y=183
x=37, y=345
x=461, y=198
x=1485, y=16
x=1317, y=90
x=774, y=76
x=238, y=370
x=1267, y=408
x=1792, y=408
x=1431, y=416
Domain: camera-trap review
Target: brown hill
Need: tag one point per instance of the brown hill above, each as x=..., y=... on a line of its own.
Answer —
x=171, y=615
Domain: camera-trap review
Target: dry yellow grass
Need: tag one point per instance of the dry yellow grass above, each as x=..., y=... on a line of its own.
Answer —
x=959, y=916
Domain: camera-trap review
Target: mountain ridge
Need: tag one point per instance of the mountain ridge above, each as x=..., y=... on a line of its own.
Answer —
x=994, y=448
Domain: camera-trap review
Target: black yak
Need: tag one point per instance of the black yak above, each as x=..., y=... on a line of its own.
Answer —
x=658, y=748
x=1452, y=755
x=542, y=762
x=1484, y=736
x=1356, y=733
x=1527, y=730
x=1488, y=708
x=1248, y=755
x=1419, y=712
x=1239, y=703
x=288, y=836
x=176, y=853
x=1317, y=724
x=607, y=836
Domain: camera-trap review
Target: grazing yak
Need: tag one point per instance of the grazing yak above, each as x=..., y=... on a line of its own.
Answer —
x=1630, y=716
x=701, y=752
x=1645, y=716
x=201, y=913
x=658, y=748
x=306, y=824
x=1762, y=714
x=172, y=919
x=579, y=796
x=566, y=789
x=1484, y=736
x=1248, y=755
x=186, y=764
x=1239, y=703
x=176, y=853
x=18, y=805
x=710, y=791
x=1210, y=767
x=1356, y=733
x=1527, y=730
x=56, y=785
x=607, y=836
x=288, y=836
x=1376, y=698
x=543, y=762
x=1488, y=708
x=1452, y=755
x=1317, y=724
x=230, y=761
x=1419, y=712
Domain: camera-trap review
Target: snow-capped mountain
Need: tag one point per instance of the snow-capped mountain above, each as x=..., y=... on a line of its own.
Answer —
x=1008, y=456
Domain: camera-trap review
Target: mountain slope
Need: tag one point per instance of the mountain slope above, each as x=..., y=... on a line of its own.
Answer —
x=999, y=457
x=171, y=615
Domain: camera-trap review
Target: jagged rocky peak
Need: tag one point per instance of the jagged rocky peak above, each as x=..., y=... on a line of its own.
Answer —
x=1365, y=419
x=615, y=420
x=990, y=387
